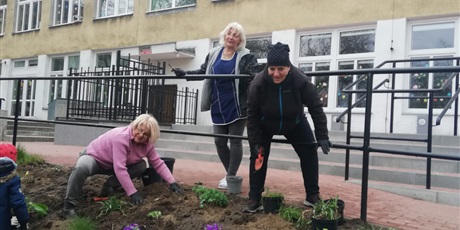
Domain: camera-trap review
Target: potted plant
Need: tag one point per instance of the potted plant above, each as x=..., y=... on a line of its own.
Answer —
x=326, y=214
x=272, y=201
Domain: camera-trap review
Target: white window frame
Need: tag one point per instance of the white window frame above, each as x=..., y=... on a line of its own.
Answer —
x=3, y=18
x=116, y=8
x=24, y=20
x=334, y=58
x=58, y=9
x=173, y=6
x=59, y=85
x=441, y=52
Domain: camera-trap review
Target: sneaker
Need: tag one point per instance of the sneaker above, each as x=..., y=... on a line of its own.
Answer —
x=68, y=214
x=106, y=191
x=223, y=183
x=252, y=206
x=311, y=200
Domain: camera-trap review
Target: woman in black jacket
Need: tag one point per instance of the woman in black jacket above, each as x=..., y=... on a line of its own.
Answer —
x=276, y=101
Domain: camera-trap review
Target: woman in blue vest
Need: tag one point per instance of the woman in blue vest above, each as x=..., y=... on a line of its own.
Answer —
x=226, y=98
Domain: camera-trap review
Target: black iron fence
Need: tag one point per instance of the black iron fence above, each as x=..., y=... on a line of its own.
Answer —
x=111, y=98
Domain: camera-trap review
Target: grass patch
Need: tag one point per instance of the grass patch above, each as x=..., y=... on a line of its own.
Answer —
x=24, y=157
x=82, y=223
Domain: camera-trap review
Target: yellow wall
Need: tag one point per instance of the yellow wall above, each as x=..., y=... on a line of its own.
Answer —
x=205, y=20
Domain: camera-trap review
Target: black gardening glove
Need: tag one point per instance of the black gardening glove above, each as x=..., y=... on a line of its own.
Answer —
x=174, y=187
x=325, y=146
x=178, y=72
x=136, y=198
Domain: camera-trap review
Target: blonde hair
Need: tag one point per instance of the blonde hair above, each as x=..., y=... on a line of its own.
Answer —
x=150, y=123
x=239, y=28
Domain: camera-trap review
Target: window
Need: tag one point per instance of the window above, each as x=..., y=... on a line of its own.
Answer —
x=59, y=65
x=357, y=41
x=2, y=16
x=110, y=8
x=321, y=82
x=337, y=50
x=19, y=64
x=258, y=46
x=170, y=4
x=103, y=60
x=427, y=81
x=344, y=80
x=67, y=11
x=315, y=45
x=28, y=15
x=433, y=36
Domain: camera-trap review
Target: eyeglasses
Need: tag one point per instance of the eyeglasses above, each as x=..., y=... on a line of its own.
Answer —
x=144, y=133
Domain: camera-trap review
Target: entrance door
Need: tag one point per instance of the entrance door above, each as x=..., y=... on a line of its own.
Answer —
x=162, y=103
x=26, y=98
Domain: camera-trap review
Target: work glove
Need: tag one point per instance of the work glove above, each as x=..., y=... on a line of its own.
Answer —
x=325, y=146
x=178, y=72
x=136, y=198
x=174, y=187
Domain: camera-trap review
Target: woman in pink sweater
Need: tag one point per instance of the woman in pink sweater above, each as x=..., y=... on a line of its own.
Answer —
x=119, y=153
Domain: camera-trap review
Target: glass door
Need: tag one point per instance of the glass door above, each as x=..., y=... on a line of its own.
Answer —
x=26, y=98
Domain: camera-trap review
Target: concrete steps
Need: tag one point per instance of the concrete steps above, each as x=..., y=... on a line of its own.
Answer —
x=401, y=174
x=29, y=131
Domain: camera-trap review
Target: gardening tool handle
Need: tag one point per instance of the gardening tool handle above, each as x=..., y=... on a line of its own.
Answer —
x=96, y=199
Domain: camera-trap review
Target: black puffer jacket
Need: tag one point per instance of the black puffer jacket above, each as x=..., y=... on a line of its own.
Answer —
x=278, y=108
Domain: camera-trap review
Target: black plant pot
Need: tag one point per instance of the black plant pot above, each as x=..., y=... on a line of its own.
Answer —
x=324, y=224
x=150, y=176
x=341, y=206
x=272, y=204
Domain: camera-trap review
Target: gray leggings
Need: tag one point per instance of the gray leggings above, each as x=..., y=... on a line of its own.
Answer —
x=230, y=157
x=87, y=166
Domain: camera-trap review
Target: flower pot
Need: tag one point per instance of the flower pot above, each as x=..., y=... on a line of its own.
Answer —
x=150, y=176
x=272, y=204
x=324, y=224
x=341, y=206
x=234, y=184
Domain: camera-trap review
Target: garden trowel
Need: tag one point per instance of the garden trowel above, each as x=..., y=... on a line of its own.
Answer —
x=260, y=159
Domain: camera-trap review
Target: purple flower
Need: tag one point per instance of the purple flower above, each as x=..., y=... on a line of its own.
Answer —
x=213, y=227
x=133, y=226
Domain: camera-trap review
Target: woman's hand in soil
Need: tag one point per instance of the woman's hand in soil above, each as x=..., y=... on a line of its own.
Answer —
x=136, y=198
x=174, y=187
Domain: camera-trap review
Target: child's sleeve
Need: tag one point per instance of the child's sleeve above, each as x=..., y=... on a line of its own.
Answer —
x=17, y=201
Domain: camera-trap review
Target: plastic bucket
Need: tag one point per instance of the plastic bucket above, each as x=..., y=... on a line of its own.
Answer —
x=234, y=184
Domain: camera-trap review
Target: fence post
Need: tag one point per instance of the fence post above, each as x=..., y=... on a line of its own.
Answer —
x=186, y=105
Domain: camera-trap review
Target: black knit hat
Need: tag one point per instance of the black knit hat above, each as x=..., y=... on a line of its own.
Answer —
x=278, y=55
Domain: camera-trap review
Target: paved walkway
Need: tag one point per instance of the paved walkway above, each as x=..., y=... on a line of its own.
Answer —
x=383, y=208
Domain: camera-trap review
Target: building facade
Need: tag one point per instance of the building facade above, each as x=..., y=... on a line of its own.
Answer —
x=46, y=38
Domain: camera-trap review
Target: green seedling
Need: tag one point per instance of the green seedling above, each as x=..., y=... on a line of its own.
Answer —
x=154, y=214
x=211, y=197
x=40, y=209
x=112, y=204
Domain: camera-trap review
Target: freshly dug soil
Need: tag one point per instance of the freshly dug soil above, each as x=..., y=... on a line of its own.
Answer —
x=46, y=184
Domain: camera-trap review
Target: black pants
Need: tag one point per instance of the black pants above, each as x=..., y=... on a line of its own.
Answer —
x=303, y=141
